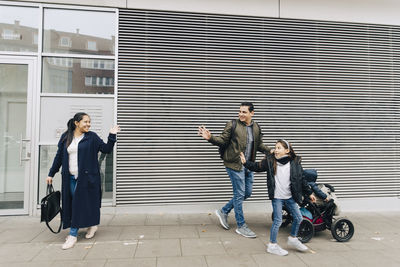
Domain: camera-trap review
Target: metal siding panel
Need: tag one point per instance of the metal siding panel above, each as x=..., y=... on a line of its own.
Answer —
x=328, y=87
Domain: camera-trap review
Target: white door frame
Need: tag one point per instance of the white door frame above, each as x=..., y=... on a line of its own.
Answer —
x=30, y=135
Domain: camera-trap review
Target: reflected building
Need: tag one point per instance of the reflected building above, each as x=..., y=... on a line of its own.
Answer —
x=18, y=38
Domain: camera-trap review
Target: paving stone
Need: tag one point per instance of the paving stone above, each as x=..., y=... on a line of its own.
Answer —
x=163, y=219
x=26, y=222
x=140, y=232
x=240, y=246
x=324, y=258
x=128, y=219
x=104, y=233
x=128, y=240
x=174, y=231
x=158, y=248
x=48, y=237
x=268, y=260
x=54, y=252
x=105, y=219
x=215, y=231
x=368, y=259
x=19, y=235
x=13, y=252
x=230, y=261
x=144, y=262
x=196, y=219
x=192, y=261
x=28, y=264
x=112, y=250
x=83, y=263
x=202, y=246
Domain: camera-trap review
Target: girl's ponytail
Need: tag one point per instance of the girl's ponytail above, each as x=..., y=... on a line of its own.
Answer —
x=69, y=134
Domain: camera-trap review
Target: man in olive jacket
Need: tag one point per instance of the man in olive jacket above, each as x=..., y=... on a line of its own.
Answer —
x=246, y=138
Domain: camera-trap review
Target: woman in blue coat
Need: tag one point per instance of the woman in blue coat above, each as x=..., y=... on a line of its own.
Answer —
x=77, y=153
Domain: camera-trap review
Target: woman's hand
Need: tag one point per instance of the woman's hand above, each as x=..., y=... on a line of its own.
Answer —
x=204, y=132
x=115, y=129
x=49, y=180
x=313, y=199
x=242, y=158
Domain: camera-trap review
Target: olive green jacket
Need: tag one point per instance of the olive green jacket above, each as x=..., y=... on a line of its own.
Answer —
x=238, y=143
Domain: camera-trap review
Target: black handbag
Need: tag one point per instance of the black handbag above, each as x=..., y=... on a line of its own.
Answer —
x=50, y=207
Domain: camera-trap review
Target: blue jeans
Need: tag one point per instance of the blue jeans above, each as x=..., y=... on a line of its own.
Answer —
x=242, y=185
x=293, y=209
x=72, y=184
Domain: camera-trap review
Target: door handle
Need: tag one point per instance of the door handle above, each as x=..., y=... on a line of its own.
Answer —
x=21, y=148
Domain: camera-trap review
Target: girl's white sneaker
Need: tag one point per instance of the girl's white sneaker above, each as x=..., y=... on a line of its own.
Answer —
x=276, y=249
x=69, y=242
x=294, y=242
x=90, y=232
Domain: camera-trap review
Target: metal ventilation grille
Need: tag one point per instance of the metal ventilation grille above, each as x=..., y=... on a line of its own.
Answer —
x=329, y=88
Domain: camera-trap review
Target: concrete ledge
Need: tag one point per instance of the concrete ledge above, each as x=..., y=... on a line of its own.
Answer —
x=347, y=205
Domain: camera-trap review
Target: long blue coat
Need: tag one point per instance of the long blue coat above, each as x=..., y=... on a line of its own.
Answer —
x=84, y=209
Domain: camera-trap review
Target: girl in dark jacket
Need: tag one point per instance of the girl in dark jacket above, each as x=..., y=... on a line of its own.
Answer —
x=77, y=153
x=286, y=186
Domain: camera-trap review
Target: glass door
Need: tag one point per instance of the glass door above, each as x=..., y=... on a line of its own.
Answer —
x=16, y=86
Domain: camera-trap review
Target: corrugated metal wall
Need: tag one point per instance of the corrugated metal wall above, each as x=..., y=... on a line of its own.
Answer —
x=332, y=89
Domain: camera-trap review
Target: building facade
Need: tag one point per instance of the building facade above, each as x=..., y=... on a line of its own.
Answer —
x=321, y=75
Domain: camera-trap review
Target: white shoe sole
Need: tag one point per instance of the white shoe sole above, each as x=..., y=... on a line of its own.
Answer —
x=221, y=221
x=248, y=236
x=277, y=253
x=297, y=248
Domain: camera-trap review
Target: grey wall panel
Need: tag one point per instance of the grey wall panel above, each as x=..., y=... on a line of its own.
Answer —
x=330, y=88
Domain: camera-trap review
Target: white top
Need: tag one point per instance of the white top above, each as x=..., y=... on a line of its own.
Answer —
x=73, y=155
x=282, y=181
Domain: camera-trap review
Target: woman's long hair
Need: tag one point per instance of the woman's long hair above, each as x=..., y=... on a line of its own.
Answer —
x=71, y=127
x=286, y=145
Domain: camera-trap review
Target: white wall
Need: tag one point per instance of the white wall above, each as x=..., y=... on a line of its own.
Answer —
x=363, y=11
x=265, y=8
x=99, y=3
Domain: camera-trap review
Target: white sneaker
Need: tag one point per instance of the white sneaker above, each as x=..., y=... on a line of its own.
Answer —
x=91, y=231
x=294, y=242
x=276, y=249
x=69, y=242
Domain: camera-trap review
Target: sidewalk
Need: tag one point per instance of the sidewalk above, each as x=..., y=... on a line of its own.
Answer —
x=191, y=240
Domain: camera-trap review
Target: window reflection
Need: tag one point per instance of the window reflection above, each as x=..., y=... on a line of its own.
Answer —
x=78, y=76
x=79, y=32
x=18, y=28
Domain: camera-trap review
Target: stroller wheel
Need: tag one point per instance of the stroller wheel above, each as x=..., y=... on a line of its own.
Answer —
x=306, y=231
x=286, y=217
x=342, y=229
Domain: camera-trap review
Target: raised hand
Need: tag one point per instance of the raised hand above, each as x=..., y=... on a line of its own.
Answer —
x=115, y=129
x=204, y=132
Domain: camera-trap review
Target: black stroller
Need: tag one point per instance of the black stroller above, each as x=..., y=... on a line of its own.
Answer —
x=320, y=217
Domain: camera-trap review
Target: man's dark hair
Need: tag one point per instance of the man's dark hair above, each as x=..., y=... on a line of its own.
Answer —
x=248, y=104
